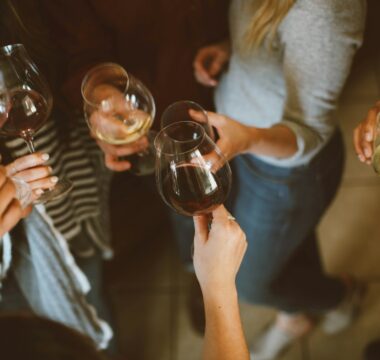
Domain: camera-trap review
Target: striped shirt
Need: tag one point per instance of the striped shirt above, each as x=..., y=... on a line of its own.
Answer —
x=78, y=158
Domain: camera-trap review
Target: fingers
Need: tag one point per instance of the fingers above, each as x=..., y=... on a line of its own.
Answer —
x=357, y=143
x=115, y=164
x=26, y=162
x=202, y=74
x=216, y=120
x=369, y=126
x=365, y=134
x=220, y=214
x=201, y=229
x=36, y=173
x=45, y=183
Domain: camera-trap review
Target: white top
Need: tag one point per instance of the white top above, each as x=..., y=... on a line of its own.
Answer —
x=297, y=83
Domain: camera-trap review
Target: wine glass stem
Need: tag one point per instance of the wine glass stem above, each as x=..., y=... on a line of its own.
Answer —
x=30, y=144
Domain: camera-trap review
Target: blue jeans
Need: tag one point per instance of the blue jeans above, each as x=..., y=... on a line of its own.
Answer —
x=279, y=210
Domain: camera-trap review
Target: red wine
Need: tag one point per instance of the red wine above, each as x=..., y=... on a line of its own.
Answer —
x=192, y=189
x=28, y=111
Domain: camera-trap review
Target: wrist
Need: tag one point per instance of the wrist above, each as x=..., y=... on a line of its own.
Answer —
x=252, y=139
x=219, y=293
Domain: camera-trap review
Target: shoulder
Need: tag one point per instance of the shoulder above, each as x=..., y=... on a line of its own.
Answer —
x=344, y=18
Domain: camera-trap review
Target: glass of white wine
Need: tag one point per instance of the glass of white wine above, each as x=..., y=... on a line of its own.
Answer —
x=119, y=110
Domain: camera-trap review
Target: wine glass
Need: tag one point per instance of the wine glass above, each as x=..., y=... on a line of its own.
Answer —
x=119, y=109
x=193, y=177
x=186, y=110
x=26, y=96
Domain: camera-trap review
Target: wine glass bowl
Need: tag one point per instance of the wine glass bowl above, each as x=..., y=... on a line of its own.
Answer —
x=29, y=97
x=25, y=104
x=119, y=109
x=193, y=177
x=186, y=110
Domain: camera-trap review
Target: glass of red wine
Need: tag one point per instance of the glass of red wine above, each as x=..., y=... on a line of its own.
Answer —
x=27, y=105
x=186, y=110
x=193, y=177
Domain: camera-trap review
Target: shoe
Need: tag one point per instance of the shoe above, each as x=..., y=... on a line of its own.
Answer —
x=372, y=350
x=196, y=308
x=283, y=333
x=271, y=344
x=338, y=319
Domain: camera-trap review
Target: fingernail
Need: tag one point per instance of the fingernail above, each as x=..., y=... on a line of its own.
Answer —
x=367, y=152
x=361, y=157
x=45, y=157
x=39, y=192
x=54, y=179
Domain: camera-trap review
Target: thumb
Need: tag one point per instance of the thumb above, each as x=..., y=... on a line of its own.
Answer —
x=220, y=214
x=215, y=119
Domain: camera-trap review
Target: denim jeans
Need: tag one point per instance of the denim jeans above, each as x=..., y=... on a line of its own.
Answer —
x=279, y=209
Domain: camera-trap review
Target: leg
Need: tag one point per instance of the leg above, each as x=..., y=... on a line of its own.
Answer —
x=279, y=209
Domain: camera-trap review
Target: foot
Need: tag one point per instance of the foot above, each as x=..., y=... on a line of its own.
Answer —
x=286, y=330
x=338, y=319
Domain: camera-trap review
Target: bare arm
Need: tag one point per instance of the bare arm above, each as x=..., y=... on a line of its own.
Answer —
x=217, y=257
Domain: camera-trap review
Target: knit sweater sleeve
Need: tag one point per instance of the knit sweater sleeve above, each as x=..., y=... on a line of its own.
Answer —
x=320, y=40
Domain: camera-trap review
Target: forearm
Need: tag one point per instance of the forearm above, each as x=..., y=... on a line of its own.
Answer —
x=278, y=141
x=224, y=337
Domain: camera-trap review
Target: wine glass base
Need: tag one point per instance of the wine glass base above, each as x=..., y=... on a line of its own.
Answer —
x=62, y=187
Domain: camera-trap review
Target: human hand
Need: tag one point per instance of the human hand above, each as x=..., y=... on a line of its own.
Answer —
x=113, y=153
x=234, y=137
x=210, y=61
x=219, y=252
x=105, y=123
x=32, y=170
x=364, y=135
x=10, y=209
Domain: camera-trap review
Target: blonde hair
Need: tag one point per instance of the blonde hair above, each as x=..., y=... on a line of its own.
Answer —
x=265, y=22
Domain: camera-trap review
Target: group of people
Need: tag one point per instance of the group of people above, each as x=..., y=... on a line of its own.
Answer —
x=276, y=69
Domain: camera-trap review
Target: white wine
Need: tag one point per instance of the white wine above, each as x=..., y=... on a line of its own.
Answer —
x=376, y=159
x=118, y=129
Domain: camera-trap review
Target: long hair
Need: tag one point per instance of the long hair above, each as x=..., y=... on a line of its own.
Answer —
x=265, y=22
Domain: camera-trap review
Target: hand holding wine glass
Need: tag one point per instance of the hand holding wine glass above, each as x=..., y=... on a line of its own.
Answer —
x=32, y=170
x=219, y=248
x=366, y=138
x=119, y=110
x=25, y=105
x=186, y=110
x=193, y=176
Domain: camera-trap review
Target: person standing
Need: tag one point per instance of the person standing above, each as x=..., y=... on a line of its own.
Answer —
x=288, y=62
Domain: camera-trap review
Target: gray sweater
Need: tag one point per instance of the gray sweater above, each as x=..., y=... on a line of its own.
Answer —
x=297, y=83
